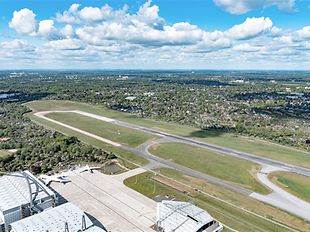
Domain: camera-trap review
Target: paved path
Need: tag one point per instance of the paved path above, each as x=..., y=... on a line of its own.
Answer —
x=279, y=197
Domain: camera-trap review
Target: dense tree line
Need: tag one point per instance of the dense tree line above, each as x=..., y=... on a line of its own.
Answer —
x=273, y=106
x=40, y=149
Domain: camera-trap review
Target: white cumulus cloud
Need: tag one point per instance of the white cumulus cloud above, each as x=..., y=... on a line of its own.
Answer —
x=23, y=21
x=149, y=13
x=46, y=27
x=251, y=27
x=246, y=48
x=244, y=6
x=15, y=44
x=101, y=35
x=69, y=16
x=304, y=33
x=91, y=14
x=67, y=31
x=65, y=44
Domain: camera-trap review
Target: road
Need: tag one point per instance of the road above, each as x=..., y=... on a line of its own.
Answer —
x=301, y=208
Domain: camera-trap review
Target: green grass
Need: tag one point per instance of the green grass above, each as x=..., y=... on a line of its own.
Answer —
x=296, y=184
x=4, y=154
x=260, y=148
x=215, y=164
x=230, y=216
x=119, y=134
x=238, y=199
x=88, y=140
x=251, y=145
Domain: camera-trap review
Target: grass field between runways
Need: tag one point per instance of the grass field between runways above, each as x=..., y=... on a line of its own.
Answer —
x=92, y=141
x=119, y=134
x=234, y=141
x=296, y=184
x=225, y=167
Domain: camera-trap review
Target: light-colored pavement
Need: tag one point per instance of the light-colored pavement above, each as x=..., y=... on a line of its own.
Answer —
x=227, y=151
x=279, y=197
x=144, y=151
x=43, y=113
x=106, y=198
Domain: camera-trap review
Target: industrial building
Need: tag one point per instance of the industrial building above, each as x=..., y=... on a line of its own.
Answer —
x=179, y=216
x=22, y=195
x=63, y=218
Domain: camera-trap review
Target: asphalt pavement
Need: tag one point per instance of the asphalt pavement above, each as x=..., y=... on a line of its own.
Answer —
x=279, y=197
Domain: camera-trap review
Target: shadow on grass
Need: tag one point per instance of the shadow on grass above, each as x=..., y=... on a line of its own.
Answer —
x=205, y=133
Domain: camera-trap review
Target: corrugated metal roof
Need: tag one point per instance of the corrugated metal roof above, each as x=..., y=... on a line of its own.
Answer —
x=14, y=191
x=54, y=220
x=181, y=216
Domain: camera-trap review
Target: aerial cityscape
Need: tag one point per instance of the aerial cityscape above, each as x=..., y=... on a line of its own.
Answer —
x=163, y=115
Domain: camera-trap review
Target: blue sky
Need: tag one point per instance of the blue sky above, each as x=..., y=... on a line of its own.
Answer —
x=158, y=34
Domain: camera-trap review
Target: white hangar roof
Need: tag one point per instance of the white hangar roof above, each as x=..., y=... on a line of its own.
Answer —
x=181, y=216
x=56, y=220
x=15, y=190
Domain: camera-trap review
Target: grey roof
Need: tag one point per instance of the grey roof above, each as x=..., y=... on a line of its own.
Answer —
x=55, y=219
x=181, y=216
x=14, y=191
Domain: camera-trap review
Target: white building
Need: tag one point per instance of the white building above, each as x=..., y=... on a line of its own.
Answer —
x=179, y=216
x=63, y=218
x=21, y=195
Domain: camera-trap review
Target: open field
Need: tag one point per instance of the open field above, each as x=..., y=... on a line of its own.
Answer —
x=86, y=139
x=230, y=216
x=215, y=164
x=296, y=184
x=251, y=145
x=106, y=130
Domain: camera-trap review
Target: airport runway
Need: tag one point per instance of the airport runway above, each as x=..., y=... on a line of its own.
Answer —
x=176, y=138
x=268, y=165
x=227, y=151
x=142, y=150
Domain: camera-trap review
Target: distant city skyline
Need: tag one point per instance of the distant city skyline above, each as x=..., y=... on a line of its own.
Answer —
x=158, y=34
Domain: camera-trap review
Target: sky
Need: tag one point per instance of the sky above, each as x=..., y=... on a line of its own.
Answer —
x=158, y=34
